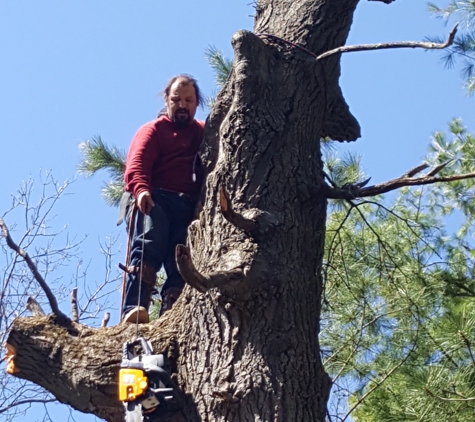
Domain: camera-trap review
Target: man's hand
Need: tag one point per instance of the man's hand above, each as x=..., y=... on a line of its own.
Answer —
x=145, y=202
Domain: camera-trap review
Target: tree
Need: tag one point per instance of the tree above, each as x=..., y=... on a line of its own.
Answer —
x=243, y=339
x=397, y=317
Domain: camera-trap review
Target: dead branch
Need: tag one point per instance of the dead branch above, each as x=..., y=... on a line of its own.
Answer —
x=389, y=45
x=405, y=180
x=74, y=305
x=438, y=168
x=34, y=270
x=412, y=172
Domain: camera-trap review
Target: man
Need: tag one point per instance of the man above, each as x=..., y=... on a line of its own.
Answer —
x=164, y=175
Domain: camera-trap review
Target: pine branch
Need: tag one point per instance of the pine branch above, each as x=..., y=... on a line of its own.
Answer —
x=390, y=45
x=383, y=379
x=97, y=155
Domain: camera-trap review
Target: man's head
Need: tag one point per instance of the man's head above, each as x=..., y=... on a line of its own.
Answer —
x=182, y=98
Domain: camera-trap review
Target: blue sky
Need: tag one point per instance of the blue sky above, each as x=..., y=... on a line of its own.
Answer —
x=73, y=70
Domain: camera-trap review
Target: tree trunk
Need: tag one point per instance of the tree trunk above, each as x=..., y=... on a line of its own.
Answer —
x=242, y=340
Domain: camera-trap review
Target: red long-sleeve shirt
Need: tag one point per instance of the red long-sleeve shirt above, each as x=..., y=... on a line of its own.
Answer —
x=164, y=156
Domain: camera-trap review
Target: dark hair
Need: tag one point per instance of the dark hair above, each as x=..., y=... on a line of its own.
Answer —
x=185, y=79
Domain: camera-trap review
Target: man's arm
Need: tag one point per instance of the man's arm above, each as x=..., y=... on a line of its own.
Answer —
x=140, y=160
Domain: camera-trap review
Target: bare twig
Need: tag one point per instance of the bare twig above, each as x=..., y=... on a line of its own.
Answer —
x=26, y=401
x=34, y=270
x=389, y=45
x=74, y=305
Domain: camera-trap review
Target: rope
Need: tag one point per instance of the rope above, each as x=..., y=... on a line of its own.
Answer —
x=276, y=38
x=127, y=255
x=140, y=277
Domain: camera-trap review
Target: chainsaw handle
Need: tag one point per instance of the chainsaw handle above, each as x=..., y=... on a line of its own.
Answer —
x=127, y=349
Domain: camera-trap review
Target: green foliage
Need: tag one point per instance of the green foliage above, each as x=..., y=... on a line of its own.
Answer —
x=463, y=47
x=154, y=311
x=96, y=156
x=222, y=68
x=398, y=334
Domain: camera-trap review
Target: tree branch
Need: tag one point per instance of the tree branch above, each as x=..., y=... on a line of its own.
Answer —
x=405, y=180
x=389, y=45
x=31, y=265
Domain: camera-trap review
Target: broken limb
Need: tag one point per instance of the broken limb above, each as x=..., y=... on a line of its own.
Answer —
x=49, y=294
x=384, y=46
x=405, y=180
x=34, y=307
x=200, y=282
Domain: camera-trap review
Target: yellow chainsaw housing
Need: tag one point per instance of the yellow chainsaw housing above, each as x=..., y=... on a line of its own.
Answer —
x=132, y=384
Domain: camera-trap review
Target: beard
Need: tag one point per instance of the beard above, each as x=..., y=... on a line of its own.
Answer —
x=182, y=118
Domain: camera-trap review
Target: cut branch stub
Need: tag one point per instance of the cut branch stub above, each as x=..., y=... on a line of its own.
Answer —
x=74, y=305
x=233, y=217
x=187, y=269
x=225, y=280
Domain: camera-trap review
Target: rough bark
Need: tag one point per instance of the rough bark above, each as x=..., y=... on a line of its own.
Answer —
x=242, y=340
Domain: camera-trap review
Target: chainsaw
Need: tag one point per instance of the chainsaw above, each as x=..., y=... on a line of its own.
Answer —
x=145, y=386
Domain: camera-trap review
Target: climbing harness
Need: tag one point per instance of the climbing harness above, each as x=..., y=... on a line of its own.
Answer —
x=145, y=386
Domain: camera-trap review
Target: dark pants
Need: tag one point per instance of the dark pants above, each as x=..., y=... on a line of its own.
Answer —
x=155, y=237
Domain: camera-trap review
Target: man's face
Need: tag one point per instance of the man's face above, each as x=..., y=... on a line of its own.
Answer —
x=181, y=103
